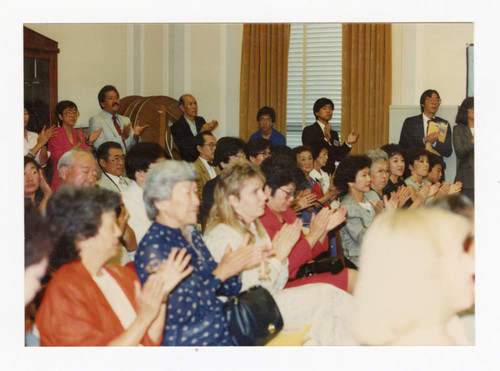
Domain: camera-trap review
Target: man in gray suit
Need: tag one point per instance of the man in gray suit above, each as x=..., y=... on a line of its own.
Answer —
x=115, y=127
x=112, y=162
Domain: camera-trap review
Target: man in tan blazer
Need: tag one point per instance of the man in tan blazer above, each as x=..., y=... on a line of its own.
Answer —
x=205, y=144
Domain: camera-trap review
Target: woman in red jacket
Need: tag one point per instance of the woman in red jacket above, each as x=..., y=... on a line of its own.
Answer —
x=281, y=181
x=87, y=303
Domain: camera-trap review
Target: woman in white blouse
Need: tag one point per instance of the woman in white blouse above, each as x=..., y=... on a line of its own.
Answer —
x=35, y=145
x=239, y=201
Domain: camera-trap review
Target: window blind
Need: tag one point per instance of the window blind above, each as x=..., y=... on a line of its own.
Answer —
x=314, y=71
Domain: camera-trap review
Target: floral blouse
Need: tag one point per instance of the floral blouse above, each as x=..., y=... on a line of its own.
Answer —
x=194, y=314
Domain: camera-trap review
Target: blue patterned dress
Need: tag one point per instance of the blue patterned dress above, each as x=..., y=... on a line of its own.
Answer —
x=194, y=314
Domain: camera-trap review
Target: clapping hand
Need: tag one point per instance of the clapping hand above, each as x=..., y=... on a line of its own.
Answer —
x=403, y=194
x=285, y=239
x=434, y=189
x=378, y=207
x=94, y=135
x=138, y=130
x=174, y=269
x=233, y=262
x=45, y=135
x=352, y=137
x=209, y=126
x=455, y=188
x=391, y=203
x=327, y=131
x=44, y=185
x=122, y=220
x=126, y=131
x=336, y=218
x=149, y=298
x=303, y=200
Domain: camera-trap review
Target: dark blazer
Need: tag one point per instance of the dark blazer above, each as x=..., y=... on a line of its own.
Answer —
x=412, y=135
x=464, y=150
x=184, y=138
x=314, y=136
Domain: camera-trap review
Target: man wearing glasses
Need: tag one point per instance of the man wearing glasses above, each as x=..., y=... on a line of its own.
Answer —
x=265, y=119
x=205, y=145
x=112, y=162
x=427, y=130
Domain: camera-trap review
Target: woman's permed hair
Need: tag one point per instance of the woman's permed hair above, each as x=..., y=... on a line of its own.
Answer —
x=347, y=170
x=75, y=215
x=392, y=149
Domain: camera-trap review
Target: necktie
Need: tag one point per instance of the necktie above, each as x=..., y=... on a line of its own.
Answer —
x=119, y=131
x=427, y=130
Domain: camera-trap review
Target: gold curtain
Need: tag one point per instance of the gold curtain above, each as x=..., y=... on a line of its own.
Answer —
x=264, y=69
x=366, y=83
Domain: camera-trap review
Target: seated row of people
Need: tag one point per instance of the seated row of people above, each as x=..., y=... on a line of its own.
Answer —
x=253, y=231
x=235, y=236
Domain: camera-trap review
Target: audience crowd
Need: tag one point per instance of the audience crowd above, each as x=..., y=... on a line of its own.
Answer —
x=126, y=246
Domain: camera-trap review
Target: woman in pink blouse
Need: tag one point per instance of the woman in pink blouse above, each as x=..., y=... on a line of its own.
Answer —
x=67, y=138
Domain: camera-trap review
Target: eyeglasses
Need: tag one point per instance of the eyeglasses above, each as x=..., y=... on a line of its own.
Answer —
x=238, y=156
x=117, y=159
x=211, y=144
x=265, y=153
x=381, y=172
x=71, y=113
x=433, y=100
x=288, y=193
x=265, y=119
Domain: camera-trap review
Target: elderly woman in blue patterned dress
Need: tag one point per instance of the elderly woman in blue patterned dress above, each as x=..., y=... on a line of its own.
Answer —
x=194, y=314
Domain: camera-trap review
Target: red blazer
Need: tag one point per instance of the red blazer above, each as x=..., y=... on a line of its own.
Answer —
x=74, y=311
x=302, y=252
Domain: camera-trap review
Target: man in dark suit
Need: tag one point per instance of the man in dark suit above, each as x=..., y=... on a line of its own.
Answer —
x=414, y=132
x=185, y=129
x=320, y=132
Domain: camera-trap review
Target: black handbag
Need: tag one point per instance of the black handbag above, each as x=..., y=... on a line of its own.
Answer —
x=329, y=264
x=253, y=318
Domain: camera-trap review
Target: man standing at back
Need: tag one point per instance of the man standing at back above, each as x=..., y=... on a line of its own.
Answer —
x=320, y=132
x=115, y=127
x=421, y=130
x=265, y=118
x=188, y=126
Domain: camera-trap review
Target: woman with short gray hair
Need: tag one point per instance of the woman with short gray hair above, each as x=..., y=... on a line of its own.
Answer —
x=379, y=176
x=194, y=313
x=161, y=180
